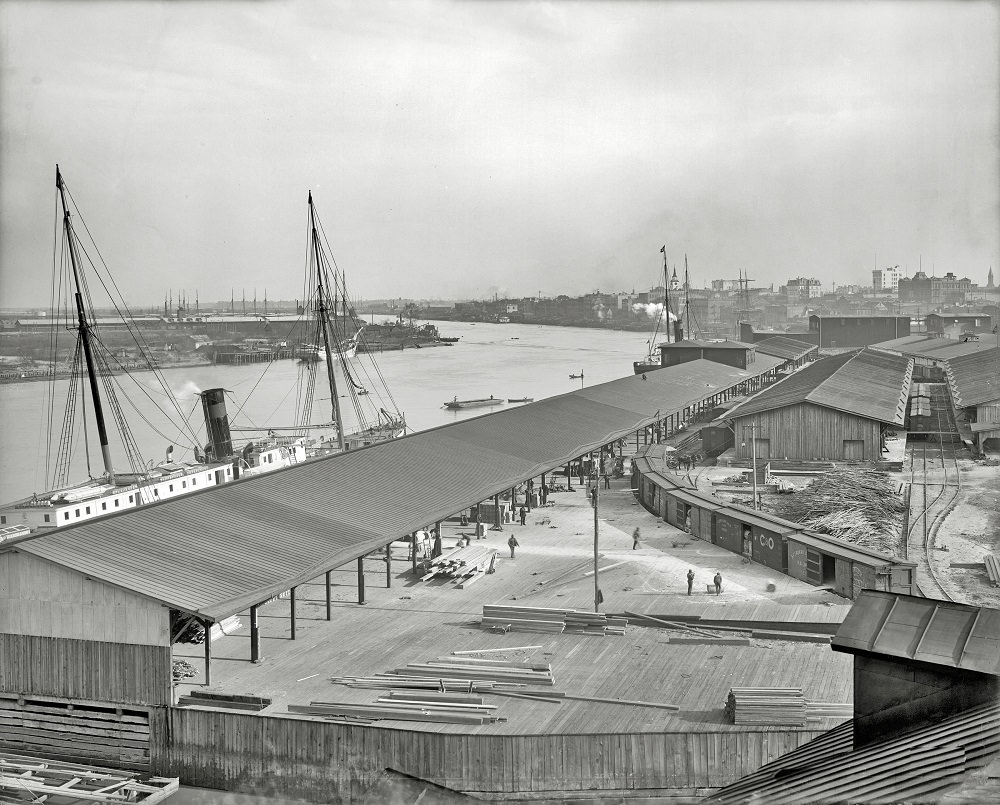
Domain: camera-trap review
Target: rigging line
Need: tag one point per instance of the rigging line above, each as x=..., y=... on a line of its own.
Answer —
x=191, y=435
x=50, y=386
x=127, y=318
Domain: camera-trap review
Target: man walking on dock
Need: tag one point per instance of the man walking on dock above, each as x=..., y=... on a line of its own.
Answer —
x=690, y=580
x=635, y=538
x=523, y=514
x=512, y=543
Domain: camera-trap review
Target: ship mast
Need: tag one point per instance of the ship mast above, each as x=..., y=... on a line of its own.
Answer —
x=687, y=301
x=666, y=293
x=84, y=328
x=321, y=311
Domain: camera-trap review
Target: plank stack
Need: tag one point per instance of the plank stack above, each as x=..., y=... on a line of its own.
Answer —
x=437, y=708
x=820, y=710
x=992, y=569
x=545, y=619
x=764, y=706
x=465, y=565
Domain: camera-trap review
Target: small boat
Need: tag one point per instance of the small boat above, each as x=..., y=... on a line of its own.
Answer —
x=521, y=400
x=456, y=403
x=576, y=377
x=449, y=339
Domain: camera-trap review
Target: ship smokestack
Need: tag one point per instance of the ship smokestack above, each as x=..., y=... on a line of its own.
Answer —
x=220, y=442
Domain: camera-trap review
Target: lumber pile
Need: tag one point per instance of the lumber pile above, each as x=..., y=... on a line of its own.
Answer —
x=464, y=566
x=854, y=504
x=229, y=701
x=546, y=619
x=764, y=706
x=992, y=569
x=816, y=711
x=415, y=709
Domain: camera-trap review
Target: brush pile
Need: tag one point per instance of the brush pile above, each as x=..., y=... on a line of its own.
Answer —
x=853, y=504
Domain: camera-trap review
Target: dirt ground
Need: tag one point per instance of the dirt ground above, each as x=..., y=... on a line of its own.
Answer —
x=970, y=531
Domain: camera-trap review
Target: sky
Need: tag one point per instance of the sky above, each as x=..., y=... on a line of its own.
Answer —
x=466, y=149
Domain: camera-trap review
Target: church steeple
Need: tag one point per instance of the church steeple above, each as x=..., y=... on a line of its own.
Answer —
x=989, y=278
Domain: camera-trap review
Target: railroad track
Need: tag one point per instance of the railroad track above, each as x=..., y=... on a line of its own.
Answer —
x=935, y=484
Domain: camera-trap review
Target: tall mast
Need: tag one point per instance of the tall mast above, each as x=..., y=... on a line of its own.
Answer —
x=84, y=326
x=321, y=311
x=687, y=300
x=666, y=292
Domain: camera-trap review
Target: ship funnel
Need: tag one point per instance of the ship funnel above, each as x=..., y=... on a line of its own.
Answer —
x=220, y=442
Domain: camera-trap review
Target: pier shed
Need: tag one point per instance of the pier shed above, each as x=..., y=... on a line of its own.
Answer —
x=730, y=353
x=973, y=383
x=838, y=408
x=794, y=352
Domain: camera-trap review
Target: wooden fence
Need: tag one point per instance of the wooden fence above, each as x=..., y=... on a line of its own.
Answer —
x=326, y=762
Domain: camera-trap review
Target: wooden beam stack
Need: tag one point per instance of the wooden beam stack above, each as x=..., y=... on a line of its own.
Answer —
x=465, y=565
x=765, y=706
x=820, y=710
x=544, y=619
x=402, y=710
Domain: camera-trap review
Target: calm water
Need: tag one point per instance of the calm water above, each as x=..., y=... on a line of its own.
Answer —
x=505, y=360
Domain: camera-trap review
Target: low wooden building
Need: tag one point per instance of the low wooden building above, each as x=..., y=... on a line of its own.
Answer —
x=838, y=408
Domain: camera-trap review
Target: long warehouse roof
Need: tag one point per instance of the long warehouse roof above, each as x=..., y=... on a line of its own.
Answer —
x=217, y=551
x=975, y=379
x=869, y=384
x=938, y=348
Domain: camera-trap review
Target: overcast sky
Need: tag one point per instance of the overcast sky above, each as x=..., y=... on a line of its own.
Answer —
x=457, y=149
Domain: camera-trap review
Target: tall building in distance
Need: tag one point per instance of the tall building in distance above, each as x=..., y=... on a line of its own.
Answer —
x=885, y=280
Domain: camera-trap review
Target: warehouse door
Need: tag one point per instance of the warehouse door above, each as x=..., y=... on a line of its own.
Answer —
x=854, y=450
x=763, y=449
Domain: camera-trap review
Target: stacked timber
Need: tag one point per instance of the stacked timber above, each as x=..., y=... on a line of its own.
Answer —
x=416, y=709
x=489, y=670
x=465, y=565
x=228, y=701
x=545, y=619
x=992, y=569
x=816, y=711
x=765, y=706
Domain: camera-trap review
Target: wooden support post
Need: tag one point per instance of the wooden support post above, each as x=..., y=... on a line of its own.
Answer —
x=479, y=520
x=291, y=610
x=361, y=579
x=254, y=635
x=437, y=540
x=496, y=514
x=329, y=598
x=207, y=625
x=388, y=566
x=413, y=552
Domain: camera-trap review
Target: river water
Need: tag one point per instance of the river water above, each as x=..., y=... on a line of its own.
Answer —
x=503, y=360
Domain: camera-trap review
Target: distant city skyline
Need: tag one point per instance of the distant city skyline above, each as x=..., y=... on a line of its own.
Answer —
x=519, y=148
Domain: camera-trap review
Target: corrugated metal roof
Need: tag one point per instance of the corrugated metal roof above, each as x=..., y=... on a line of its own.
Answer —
x=937, y=348
x=975, y=378
x=865, y=383
x=907, y=768
x=220, y=550
x=781, y=346
x=923, y=630
x=700, y=343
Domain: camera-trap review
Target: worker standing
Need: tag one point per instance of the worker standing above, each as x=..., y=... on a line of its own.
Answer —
x=718, y=582
x=690, y=578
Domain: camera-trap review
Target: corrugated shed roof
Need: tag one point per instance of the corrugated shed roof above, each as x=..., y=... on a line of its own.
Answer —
x=700, y=343
x=865, y=383
x=975, y=378
x=908, y=768
x=220, y=550
x=934, y=347
x=923, y=630
x=781, y=346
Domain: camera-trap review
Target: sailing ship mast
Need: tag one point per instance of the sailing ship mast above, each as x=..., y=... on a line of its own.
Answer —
x=321, y=312
x=84, y=329
x=666, y=294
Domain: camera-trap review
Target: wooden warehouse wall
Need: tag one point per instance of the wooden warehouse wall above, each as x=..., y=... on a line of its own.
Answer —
x=324, y=762
x=40, y=598
x=806, y=432
x=85, y=669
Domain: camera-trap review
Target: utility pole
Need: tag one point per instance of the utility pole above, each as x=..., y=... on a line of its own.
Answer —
x=753, y=453
x=597, y=478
